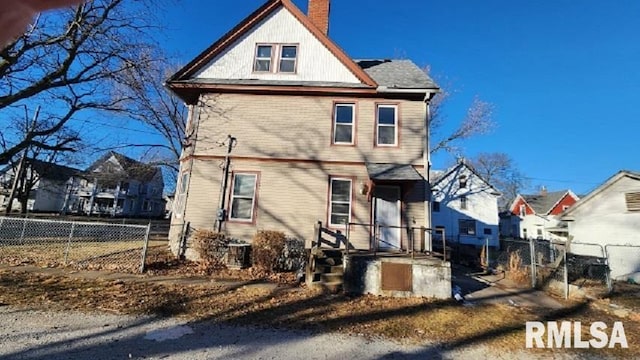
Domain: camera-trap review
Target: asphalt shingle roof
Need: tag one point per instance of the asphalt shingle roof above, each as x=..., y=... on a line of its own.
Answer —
x=399, y=74
x=542, y=204
x=397, y=172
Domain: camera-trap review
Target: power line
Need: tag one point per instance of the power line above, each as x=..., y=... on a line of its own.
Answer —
x=563, y=181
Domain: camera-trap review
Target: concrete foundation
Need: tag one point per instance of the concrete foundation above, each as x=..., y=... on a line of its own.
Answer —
x=430, y=277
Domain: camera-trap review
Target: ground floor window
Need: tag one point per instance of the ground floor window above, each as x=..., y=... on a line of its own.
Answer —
x=339, y=202
x=243, y=197
x=467, y=227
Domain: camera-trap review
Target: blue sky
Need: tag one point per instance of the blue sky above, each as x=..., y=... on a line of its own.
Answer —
x=563, y=75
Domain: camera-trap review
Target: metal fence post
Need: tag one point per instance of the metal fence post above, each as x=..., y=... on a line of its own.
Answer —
x=346, y=236
x=24, y=227
x=566, y=275
x=66, y=251
x=532, y=250
x=487, y=252
x=145, y=248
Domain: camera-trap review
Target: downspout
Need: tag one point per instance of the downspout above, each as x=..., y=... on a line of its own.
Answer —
x=194, y=115
x=426, y=158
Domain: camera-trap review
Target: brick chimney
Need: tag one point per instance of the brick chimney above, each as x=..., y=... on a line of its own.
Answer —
x=318, y=13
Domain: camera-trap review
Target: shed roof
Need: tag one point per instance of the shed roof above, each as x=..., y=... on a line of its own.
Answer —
x=393, y=172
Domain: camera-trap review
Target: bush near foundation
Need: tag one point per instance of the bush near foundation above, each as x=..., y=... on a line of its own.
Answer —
x=266, y=249
x=211, y=247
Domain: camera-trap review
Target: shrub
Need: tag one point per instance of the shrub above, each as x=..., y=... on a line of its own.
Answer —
x=266, y=249
x=515, y=270
x=211, y=247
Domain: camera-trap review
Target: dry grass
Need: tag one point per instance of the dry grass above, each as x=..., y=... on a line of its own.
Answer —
x=114, y=256
x=419, y=320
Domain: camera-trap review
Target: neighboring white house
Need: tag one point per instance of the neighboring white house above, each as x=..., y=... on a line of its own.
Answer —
x=465, y=206
x=46, y=183
x=609, y=217
x=116, y=185
x=538, y=215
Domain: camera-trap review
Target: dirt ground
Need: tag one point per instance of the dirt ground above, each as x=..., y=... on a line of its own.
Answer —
x=292, y=306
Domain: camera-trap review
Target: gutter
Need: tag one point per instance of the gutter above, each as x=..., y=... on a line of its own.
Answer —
x=428, y=92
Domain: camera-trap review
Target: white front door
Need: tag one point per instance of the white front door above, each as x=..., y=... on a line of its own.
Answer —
x=387, y=216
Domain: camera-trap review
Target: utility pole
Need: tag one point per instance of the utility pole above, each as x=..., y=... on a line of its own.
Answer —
x=17, y=175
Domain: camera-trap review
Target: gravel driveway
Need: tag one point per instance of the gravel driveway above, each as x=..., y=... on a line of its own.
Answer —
x=30, y=334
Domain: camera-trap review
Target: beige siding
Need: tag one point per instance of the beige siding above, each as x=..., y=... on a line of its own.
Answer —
x=270, y=126
x=291, y=197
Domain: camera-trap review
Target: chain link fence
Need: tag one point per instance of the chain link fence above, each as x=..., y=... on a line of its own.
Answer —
x=83, y=245
x=585, y=269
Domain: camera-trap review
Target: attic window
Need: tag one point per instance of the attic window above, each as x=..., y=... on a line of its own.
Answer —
x=463, y=181
x=264, y=54
x=633, y=201
x=288, y=56
x=284, y=55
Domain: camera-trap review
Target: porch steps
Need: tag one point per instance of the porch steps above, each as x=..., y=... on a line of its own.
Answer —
x=325, y=270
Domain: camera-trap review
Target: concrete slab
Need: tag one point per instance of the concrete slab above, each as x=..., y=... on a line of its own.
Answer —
x=495, y=289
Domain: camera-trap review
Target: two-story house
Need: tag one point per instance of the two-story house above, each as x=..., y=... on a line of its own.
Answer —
x=538, y=214
x=465, y=207
x=311, y=134
x=116, y=185
x=42, y=187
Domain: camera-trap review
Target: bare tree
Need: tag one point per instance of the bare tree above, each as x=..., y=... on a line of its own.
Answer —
x=477, y=121
x=500, y=171
x=151, y=104
x=72, y=60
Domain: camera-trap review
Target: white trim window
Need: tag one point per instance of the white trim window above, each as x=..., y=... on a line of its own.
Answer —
x=387, y=125
x=181, y=195
x=344, y=118
x=339, y=202
x=523, y=210
x=264, y=55
x=243, y=197
x=288, y=58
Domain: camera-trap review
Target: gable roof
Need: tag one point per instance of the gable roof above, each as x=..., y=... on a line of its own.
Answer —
x=131, y=169
x=249, y=23
x=52, y=171
x=444, y=175
x=610, y=181
x=544, y=203
x=47, y=170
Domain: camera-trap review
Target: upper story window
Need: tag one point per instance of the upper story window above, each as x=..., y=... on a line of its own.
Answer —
x=284, y=55
x=288, y=58
x=264, y=55
x=463, y=202
x=343, y=124
x=523, y=210
x=387, y=125
x=436, y=206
